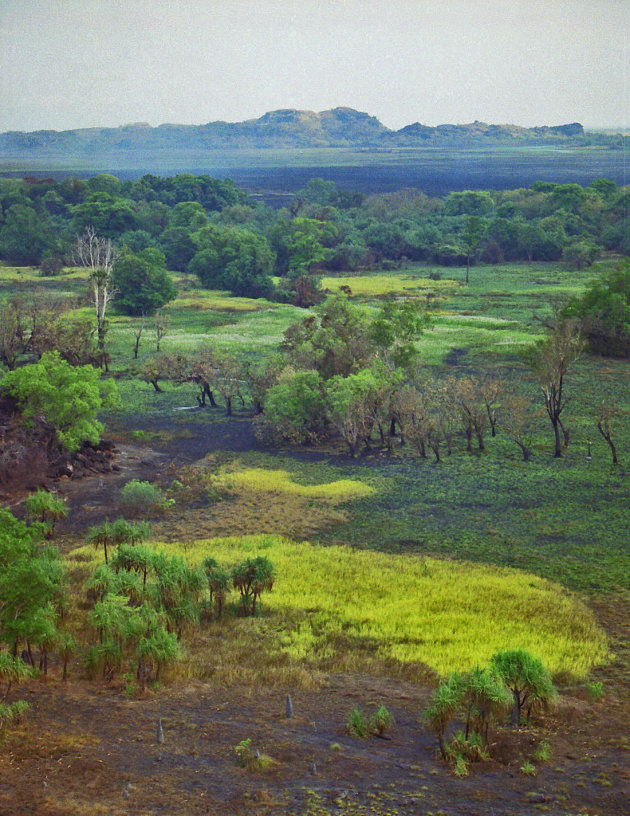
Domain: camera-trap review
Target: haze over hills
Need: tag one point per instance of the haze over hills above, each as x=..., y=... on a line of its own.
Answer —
x=288, y=128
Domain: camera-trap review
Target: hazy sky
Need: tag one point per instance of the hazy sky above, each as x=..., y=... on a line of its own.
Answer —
x=82, y=63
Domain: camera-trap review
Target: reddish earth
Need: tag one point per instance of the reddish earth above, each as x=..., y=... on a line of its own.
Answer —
x=89, y=748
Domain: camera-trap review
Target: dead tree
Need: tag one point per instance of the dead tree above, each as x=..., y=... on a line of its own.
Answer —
x=96, y=254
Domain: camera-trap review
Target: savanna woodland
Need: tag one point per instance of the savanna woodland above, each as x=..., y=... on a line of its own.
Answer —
x=313, y=510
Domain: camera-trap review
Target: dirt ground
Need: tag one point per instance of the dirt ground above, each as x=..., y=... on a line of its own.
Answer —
x=89, y=748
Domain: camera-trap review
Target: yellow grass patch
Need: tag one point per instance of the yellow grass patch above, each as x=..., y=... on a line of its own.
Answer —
x=446, y=615
x=392, y=284
x=281, y=481
x=218, y=302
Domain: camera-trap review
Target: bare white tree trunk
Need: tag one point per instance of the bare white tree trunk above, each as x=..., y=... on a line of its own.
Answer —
x=97, y=255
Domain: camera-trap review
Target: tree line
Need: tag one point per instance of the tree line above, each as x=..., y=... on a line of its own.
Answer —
x=210, y=228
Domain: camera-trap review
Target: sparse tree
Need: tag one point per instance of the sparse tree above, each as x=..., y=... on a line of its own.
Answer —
x=518, y=419
x=97, y=255
x=607, y=412
x=551, y=360
x=161, y=324
x=137, y=330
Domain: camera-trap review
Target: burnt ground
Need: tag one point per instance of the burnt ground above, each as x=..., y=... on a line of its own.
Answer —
x=90, y=748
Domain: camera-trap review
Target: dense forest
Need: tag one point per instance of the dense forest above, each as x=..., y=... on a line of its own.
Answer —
x=212, y=229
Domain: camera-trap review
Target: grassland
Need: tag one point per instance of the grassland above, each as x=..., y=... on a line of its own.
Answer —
x=564, y=520
x=443, y=615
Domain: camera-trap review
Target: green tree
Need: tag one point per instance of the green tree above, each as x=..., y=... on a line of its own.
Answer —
x=46, y=508
x=526, y=677
x=238, y=260
x=337, y=340
x=24, y=236
x=444, y=705
x=142, y=282
x=68, y=397
x=351, y=403
x=473, y=233
x=604, y=312
x=251, y=578
x=30, y=582
x=294, y=407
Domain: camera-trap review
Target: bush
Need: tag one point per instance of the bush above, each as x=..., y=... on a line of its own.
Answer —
x=140, y=499
x=69, y=397
x=357, y=724
x=604, y=312
x=381, y=721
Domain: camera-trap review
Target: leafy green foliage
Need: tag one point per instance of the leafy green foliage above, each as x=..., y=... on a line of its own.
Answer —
x=46, y=508
x=238, y=260
x=30, y=583
x=66, y=396
x=526, y=677
x=294, y=407
x=251, y=578
x=138, y=498
x=219, y=583
x=444, y=705
x=116, y=533
x=357, y=723
x=381, y=721
x=604, y=312
x=143, y=285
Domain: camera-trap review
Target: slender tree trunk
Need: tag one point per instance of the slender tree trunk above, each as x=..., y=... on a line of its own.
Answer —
x=556, y=430
x=611, y=445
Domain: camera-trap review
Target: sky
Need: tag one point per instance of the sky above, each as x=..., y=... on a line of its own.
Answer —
x=85, y=63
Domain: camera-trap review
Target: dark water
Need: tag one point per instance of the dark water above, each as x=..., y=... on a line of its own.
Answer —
x=275, y=175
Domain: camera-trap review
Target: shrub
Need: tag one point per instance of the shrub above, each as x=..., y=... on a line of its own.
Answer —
x=142, y=499
x=381, y=721
x=595, y=690
x=46, y=508
x=542, y=753
x=357, y=724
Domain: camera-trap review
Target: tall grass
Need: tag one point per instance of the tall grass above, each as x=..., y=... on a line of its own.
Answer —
x=332, y=605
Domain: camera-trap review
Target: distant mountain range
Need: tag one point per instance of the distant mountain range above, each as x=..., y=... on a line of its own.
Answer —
x=340, y=127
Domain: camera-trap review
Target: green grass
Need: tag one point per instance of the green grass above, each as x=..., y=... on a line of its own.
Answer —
x=562, y=519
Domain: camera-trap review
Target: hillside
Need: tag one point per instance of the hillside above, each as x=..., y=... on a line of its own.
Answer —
x=340, y=127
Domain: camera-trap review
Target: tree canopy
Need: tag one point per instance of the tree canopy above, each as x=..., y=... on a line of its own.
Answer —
x=143, y=285
x=69, y=397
